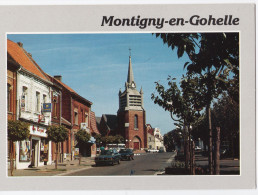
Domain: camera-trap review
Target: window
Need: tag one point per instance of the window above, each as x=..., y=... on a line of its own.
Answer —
x=76, y=116
x=44, y=98
x=82, y=115
x=135, y=122
x=24, y=154
x=149, y=138
x=8, y=97
x=55, y=106
x=24, y=99
x=86, y=118
x=37, y=101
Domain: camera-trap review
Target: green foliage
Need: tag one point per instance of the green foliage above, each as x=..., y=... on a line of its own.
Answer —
x=177, y=164
x=18, y=130
x=82, y=137
x=112, y=139
x=118, y=139
x=98, y=138
x=57, y=133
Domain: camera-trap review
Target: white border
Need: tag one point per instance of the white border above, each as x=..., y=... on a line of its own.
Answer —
x=165, y=31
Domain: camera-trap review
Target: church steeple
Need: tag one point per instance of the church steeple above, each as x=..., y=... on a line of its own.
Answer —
x=130, y=77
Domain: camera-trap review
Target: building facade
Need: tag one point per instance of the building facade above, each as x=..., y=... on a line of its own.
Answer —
x=33, y=92
x=131, y=114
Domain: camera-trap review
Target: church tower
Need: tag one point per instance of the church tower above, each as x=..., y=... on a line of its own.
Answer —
x=131, y=114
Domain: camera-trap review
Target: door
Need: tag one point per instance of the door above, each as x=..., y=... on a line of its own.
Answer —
x=136, y=145
x=34, y=153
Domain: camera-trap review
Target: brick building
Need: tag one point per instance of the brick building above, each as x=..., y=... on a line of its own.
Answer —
x=131, y=114
x=76, y=111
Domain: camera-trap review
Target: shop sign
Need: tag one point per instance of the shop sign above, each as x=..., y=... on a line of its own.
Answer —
x=46, y=107
x=38, y=130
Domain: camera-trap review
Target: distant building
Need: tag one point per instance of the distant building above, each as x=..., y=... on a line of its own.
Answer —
x=108, y=124
x=155, y=139
x=131, y=114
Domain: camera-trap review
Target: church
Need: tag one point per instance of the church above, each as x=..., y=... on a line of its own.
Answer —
x=131, y=114
x=130, y=121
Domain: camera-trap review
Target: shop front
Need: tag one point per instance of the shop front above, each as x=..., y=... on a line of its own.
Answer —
x=34, y=152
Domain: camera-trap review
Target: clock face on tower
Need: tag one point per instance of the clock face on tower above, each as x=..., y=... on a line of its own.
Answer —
x=133, y=85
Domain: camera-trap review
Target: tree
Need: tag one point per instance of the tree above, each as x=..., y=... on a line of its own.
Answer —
x=17, y=131
x=212, y=56
x=82, y=138
x=57, y=134
x=118, y=139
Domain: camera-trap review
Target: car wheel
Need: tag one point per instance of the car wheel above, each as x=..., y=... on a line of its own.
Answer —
x=118, y=162
x=112, y=163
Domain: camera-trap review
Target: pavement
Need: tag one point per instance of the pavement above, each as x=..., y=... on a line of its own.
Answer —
x=62, y=168
x=228, y=166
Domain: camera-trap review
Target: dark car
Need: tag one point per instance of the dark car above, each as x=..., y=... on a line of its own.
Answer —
x=126, y=154
x=108, y=157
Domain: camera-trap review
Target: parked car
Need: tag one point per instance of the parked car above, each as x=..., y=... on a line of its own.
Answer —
x=108, y=157
x=126, y=154
x=197, y=148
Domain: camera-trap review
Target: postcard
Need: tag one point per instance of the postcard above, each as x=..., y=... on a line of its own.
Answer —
x=128, y=97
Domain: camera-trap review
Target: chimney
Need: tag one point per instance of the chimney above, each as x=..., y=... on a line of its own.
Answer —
x=20, y=44
x=58, y=77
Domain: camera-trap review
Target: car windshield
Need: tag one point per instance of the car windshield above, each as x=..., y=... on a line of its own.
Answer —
x=122, y=151
x=106, y=152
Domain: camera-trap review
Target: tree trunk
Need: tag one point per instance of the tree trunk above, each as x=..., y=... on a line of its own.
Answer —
x=217, y=154
x=208, y=111
x=56, y=155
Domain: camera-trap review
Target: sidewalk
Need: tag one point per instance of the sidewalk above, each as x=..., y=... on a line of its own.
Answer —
x=62, y=168
x=228, y=166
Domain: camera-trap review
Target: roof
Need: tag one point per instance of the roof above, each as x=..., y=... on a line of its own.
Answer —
x=93, y=123
x=98, y=119
x=110, y=120
x=24, y=59
x=151, y=131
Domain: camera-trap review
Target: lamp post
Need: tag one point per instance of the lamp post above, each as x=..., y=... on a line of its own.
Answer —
x=191, y=149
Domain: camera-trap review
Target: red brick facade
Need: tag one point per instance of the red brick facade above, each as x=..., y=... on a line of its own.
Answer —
x=131, y=134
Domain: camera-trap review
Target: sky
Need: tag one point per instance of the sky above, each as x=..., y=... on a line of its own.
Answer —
x=96, y=67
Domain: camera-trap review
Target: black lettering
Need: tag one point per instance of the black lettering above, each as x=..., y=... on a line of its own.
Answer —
x=194, y=20
x=105, y=20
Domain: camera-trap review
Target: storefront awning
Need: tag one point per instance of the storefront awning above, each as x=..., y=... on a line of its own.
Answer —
x=92, y=140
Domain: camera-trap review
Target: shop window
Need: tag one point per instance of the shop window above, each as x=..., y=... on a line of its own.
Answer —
x=8, y=97
x=135, y=122
x=43, y=150
x=24, y=154
x=37, y=101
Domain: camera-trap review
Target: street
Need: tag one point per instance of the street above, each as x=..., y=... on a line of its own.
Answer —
x=144, y=164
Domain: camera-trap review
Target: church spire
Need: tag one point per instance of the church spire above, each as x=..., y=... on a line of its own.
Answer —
x=130, y=77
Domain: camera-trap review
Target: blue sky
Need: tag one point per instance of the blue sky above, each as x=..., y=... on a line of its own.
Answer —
x=96, y=65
